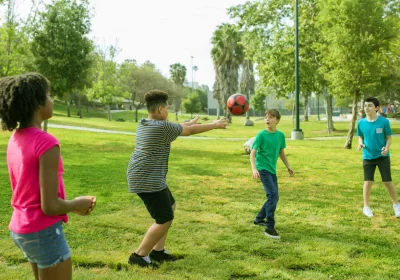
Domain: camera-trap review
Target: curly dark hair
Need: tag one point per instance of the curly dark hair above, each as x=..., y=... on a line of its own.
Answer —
x=20, y=96
x=155, y=98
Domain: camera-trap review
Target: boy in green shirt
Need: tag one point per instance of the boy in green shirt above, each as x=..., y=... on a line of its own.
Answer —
x=268, y=145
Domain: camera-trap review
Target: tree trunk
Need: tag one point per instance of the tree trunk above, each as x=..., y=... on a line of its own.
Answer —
x=329, y=119
x=79, y=106
x=87, y=109
x=45, y=125
x=354, y=113
x=176, y=114
x=247, y=115
x=362, y=112
x=109, y=113
x=218, y=110
x=69, y=109
x=306, y=109
x=136, y=114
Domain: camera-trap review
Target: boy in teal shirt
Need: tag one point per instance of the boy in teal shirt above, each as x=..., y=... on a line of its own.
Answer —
x=375, y=137
x=268, y=145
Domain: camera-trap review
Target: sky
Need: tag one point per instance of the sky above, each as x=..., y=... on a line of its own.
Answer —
x=162, y=31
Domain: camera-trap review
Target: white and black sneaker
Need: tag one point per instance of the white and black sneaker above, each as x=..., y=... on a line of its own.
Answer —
x=143, y=261
x=271, y=232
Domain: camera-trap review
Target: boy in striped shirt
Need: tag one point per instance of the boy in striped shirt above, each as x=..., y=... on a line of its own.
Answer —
x=147, y=172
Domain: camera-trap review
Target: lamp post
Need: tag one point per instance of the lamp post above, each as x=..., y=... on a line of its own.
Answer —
x=297, y=133
x=192, y=71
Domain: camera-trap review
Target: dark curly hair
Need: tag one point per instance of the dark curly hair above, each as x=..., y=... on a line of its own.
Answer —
x=155, y=98
x=20, y=96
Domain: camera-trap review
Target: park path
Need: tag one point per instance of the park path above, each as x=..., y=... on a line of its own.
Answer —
x=99, y=130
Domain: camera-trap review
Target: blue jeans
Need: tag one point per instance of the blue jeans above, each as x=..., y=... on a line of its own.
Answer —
x=267, y=212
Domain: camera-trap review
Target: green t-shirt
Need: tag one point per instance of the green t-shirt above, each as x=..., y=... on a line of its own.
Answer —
x=268, y=146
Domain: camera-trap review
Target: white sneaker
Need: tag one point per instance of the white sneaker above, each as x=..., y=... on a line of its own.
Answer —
x=396, y=208
x=368, y=212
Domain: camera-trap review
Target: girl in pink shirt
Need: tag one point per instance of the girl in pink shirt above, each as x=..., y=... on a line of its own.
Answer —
x=36, y=168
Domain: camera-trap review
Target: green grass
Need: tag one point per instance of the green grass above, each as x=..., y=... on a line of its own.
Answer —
x=98, y=119
x=324, y=234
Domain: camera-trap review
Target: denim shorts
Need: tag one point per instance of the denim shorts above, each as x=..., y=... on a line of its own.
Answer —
x=45, y=248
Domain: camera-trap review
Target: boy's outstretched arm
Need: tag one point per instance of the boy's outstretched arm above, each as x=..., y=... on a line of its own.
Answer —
x=285, y=160
x=361, y=143
x=256, y=174
x=192, y=122
x=199, y=128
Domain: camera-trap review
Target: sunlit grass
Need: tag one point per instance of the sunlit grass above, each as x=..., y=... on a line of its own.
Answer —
x=324, y=234
x=97, y=118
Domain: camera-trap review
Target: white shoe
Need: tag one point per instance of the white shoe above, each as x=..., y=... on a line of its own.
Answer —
x=396, y=208
x=368, y=212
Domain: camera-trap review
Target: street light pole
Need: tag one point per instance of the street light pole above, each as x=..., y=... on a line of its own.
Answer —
x=192, y=71
x=297, y=133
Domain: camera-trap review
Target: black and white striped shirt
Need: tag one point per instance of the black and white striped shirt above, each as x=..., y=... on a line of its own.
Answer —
x=148, y=165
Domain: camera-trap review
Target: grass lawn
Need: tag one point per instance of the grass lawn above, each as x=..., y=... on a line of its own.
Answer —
x=324, y=234
x=98, y=119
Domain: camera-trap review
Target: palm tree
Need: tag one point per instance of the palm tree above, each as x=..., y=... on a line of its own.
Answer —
x=227, y=55
x=247, y=82
x=195, y=68
x=178, y=76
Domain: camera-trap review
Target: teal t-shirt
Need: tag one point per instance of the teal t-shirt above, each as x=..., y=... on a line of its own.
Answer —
x=374, y=134
x=268, y=146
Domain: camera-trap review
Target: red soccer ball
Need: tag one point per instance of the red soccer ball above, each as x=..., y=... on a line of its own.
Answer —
x=237, y=104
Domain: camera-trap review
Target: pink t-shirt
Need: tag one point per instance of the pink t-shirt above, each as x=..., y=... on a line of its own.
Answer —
x=25, y=148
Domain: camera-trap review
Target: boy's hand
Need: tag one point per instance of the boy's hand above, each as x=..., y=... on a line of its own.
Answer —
x=194, y=121
x=360, y=146
x=84, y=205
x=291, y=171
x=256, y=174
x=384, y=151
x=222, y=123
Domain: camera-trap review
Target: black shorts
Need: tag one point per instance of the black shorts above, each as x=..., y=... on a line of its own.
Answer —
x=383, y=164
x=159, y=204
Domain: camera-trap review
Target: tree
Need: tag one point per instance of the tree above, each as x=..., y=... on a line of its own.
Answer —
x=15, y=54
x=247, y=81
x=203, y=91
x=257, y=101
x=192, y=104
x=61, y=46
x=227, y=54
x=106, y=87
x=217, y=94
x=359, y=34
x=178, y=76
x=268, y=39
x=146, y=78
x=125, y=77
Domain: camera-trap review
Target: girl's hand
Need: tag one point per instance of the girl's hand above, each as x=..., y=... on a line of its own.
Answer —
x=84, y=205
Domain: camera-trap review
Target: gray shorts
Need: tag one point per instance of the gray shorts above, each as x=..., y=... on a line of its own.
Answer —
x=383, y=164
x=45, y=248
